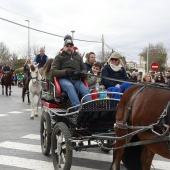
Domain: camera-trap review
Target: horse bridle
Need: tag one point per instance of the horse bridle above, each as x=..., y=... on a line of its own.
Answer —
x=36, y=78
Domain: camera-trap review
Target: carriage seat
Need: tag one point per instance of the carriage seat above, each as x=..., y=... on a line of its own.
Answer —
x=59, y=93
x=51, y=105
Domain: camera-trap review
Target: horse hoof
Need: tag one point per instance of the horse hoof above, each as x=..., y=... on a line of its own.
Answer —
x=31, y=118
x=36, y=115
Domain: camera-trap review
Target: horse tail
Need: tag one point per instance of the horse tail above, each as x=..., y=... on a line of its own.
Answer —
x=131, y=156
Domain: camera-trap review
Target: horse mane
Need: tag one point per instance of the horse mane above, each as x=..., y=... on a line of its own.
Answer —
x=32, y=68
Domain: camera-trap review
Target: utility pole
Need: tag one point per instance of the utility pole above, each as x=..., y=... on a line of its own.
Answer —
x=28, y=39
x=73, y=34
x=147, y=59
x=102, y=48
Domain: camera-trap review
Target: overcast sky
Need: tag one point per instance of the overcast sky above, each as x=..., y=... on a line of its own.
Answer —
x=128, y=26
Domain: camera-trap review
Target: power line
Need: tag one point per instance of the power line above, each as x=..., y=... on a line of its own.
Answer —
x=53, y=26
x=43, y=22
x=118, y=51
x=44, y=31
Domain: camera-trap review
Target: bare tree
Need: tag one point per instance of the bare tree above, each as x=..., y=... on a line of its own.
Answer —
x=5, y=55
x=106, y=55
x=24, y=51
x=156, y=53
x=35, y=50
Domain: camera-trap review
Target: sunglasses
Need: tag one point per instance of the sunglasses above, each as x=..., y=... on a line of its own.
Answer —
x=115, y=59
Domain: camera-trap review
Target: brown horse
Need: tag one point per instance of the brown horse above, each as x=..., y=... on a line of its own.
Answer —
x=7, y=82
x=144, y=114
x=26, y=89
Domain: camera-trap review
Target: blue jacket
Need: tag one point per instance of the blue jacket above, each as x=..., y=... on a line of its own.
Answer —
x=6, y=68
x=88, y=66
x=41, y=60
x=108, y=72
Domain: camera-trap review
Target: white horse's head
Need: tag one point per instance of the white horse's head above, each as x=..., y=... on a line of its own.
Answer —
x=35, y=75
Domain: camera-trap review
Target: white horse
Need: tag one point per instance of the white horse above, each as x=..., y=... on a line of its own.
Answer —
x=34, y=88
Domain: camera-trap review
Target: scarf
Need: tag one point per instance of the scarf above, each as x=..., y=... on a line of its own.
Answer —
x=116, y=68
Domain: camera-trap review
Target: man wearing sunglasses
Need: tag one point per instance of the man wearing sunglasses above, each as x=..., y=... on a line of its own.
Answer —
x=64, y=66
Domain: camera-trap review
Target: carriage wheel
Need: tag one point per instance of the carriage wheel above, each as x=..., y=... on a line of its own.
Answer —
x=61, y=152
x=107, y=144
x=45, y=133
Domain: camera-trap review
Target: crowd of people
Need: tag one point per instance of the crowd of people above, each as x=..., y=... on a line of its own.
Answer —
x=69, y=67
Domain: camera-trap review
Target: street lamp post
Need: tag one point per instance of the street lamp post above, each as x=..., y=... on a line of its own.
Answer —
x=28, y=39
x=73, y=34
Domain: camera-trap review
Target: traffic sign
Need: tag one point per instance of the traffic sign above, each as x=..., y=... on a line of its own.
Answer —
x=154, y=66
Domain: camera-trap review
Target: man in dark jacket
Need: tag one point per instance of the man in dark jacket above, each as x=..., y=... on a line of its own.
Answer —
x=41, y=58
x=64, y=66
x=6, y=68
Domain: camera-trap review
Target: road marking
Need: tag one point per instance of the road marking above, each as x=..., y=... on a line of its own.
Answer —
x=32, y=136
x=15, y=112
x=37, y=149
x=160, y=164
x=31, y=163
x=96, y=156
x=1, y=115
x=27, y=110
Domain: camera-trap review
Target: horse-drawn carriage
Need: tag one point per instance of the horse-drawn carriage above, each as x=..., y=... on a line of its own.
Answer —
x=64, y=128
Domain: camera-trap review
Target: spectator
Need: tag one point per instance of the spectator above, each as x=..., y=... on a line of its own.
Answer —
x=15, y=79
x=159, y=79
x=139, y=78
x=133, y=77
x=147, y=78
x=115, y=70
x=168, y=77
x=64, y=66
x=90, y=60
x=0, y=73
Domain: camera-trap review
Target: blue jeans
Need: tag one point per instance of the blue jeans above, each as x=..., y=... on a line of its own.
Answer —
x=71, y=87
x=122, y=89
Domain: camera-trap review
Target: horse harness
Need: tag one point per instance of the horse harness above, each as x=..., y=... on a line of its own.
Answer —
x=36, y=78
x=161, y=122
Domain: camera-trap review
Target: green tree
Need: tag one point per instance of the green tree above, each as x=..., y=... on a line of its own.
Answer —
x=19, y=63
x=156, y=53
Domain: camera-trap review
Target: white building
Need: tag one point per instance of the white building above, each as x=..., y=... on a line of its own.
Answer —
x=140, y=67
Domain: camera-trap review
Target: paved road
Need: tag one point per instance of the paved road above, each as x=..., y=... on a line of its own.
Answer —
x=20, y=142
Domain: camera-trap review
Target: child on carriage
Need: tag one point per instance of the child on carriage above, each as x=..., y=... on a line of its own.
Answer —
x=94, y=82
